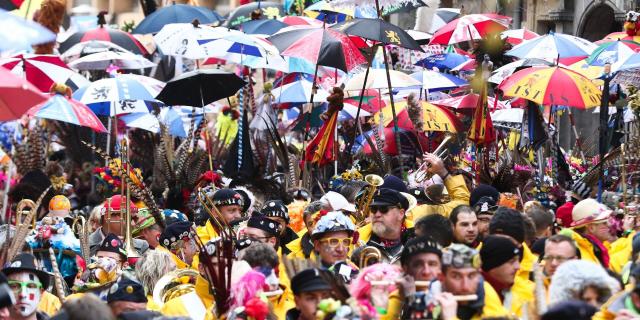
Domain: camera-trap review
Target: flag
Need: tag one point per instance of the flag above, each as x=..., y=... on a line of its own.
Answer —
x=320, y=149
x=482, y=131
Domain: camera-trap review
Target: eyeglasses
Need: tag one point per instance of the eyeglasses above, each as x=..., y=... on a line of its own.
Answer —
x=381, y=209
x=556, y=258
x=17, y=286
x=334, y=242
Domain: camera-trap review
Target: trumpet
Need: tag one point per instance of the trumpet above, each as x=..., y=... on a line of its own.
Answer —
x=374, y=182
x=422, y=174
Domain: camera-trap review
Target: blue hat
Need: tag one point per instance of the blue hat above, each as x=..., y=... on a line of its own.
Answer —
x=395, y=183
x=333, y=221
x=175, y=233
x=172, y=215
x=112, y=243
x=126, y=290
x=389, y=197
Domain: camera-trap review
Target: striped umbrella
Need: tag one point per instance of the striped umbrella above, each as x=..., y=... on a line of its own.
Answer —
x=470, y=27
x=615, y=36
x=298, y=92
x=117, y=95
x=517, y=36
x=121, y=38
x=65, y=109
x=612, y=52
x=443, y=61
x=468, y=101
x=509, y=68
x=441, y=17
x=16, y=96
x=436, y=81
x=43, y=71
x=553, y=46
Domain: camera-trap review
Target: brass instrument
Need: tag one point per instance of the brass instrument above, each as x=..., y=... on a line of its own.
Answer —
x=81, y=228
x=369, y=255
x=170, y=285
x=128, y=237
x=422, y=174
x=23, y=208
x=374, y=182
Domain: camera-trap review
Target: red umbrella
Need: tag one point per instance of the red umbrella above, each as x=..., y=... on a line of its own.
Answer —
x=300, y=21
x=121, y=38
x=470, y=27
x=408, y=142
x=43, y=71
x=468, y=101
x=62, y=108
x=516, y=36
x=16, y=96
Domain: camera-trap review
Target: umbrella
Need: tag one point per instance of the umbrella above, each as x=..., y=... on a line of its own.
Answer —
x=349, y=112
x=320, y=46
x=121, y=38
x=467, y=101
x=509, y=68
x=82, y=49
x=263, y=26
x=631, y=63
x=185, y=39
x=441, y=17
x=20, y=34
x=10, y=4
x=298, y=92
x=300, y=21
x=470, y=27
x=16, y=96
x=178, y=120
x=323, y=10
x=378, y=30
x=591, y=72
x=176, y=13
x=615, y=36
x=119, y=95
x=612, y=52
x=62, y=108
x=408, y=142
x=517, y=36
x=469, y=65
x=420, y=37
x=200, y=87
x=377, y=80
x=552, y=86
x=102, y=60
x=443, y=61
x=513, y=115
x=241, y=14
x=436, y=81
x=435, y=118
x=144, y=121
x=553, y=46
x=43, y=71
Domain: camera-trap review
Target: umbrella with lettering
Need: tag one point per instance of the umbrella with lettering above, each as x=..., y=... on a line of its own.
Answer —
x=119, y=95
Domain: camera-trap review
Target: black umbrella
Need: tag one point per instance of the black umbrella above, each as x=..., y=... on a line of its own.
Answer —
x=200, y=87
x=378, y=30
x=269, y=10
x=10, y=4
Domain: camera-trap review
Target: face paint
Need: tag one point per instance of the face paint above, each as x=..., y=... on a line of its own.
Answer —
x=28, y=289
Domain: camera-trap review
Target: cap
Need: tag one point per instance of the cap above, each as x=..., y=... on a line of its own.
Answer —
x=394, y=183
x=227, y=197
x=265, y=224
x=127, y=290
x=172, y=215
x=485, y=205
x=496, y=250
x=141, y=220
x=419, y=245
x=112, y=243
x=176, y=233
x=389, y=197
x=26, y=262
x=309, y=280
x=333, y=221
x=589, y=211
x=275, y=209
x=460, y=256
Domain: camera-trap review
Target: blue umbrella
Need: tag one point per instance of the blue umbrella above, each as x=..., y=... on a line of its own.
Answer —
x=443, y=61
x=20, y=34
x=178, y=120
x=553, y=46
x=119, y=95
x=631, y=63
x=176, y=13
x=436, y=81
x=263, y=26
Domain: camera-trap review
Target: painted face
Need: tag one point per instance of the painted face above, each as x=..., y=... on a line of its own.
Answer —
x=28, y=290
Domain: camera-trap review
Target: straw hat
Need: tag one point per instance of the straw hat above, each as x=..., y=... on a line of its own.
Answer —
x=589, y=211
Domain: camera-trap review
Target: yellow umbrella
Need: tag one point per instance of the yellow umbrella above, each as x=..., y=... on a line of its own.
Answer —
x=591, y=72
x=434, y=118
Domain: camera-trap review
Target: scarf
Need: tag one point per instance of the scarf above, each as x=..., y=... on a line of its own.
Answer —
x=599, y=250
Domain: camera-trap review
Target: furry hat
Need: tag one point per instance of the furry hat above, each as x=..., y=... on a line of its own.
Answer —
x=572, y=277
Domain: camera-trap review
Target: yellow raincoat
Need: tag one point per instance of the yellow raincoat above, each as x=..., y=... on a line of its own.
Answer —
x=522, y=292
x=583, y=244
x=49, y=304
x=458, y=193
x=620, y=253
x=295, y=246
x=206, y=232
x=528, y=261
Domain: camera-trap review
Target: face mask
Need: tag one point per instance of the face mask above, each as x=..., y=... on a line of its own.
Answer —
x=28, y=289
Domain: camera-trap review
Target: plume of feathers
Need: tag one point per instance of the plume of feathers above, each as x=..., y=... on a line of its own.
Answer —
x=415, y=112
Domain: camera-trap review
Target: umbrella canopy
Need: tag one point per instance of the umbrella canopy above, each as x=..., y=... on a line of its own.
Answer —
x=263, y=26
x=513, y=115
x=420, y=37
x=436, y=81
x=378, y=30
x=591, y=72
x=631, y=63
x=435, y=118
x=468, y=101
x=509, y=68
x=200, y=87
x=553, y=46
x=62, y=108
x=443, y=61
x=441, y=17
x=300, y=21
x=43, y=71
x=470, y=27
x=517, y=36
x=298, y=92
x=121, y=38
x=322, y=10
x=20, y=34
x=144, y=121
x=612, y=52
x=119, y=95
x=102, y=60
x=178, y=120
x=185, y=39
x=615, y=36
x=241, y=14
x=16, y=96
x=10, y=4
x=552, y=86
x=86, y=48
x=377, y=79
x=176, y=13
x=408, y=142
x=321, y=46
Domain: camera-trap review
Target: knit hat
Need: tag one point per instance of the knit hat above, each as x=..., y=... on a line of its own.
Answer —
x=419, y=245
x=563, y=214
x=175, y=234
x=265, y=224
x=508, y=222
x=588, y=211
x=496, y=250
x=580, y=190
x=275, y=209
x=126, y=290
x=483, y=190
x=112, y=243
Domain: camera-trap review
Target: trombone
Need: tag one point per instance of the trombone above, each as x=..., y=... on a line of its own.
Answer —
x=422, y=174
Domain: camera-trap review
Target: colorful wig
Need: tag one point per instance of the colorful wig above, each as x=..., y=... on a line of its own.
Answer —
x=249, y=286
x=362, y=290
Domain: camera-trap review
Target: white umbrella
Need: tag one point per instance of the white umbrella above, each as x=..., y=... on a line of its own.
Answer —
x=247, y=50
x=82, y=49
x=436, y=81
x=102, y=60
x=144, y=121
x=552, y=46
x=441, y=17
x=513, y=115
x=509, y=68
x=298, y=92
x=378, y=80
x=185, y=39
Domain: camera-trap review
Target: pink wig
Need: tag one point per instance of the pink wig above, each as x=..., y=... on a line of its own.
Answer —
x=361, y=286
x=246, y=288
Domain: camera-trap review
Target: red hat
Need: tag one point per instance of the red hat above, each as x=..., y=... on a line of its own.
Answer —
x=564, y=214
x=114, y=204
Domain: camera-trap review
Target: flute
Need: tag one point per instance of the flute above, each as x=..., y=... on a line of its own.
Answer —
x=461, y=298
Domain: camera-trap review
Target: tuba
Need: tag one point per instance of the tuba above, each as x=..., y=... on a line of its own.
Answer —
x=171, y=286
x=369, y=255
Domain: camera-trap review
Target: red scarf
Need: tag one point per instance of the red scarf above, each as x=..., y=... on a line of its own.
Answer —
x=604, y=253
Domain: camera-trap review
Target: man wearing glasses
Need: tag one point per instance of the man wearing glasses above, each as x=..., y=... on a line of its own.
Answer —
x=591, y=230
x=28, y=284
x=332, y=238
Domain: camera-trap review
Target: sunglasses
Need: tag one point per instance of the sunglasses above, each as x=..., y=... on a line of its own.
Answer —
x=382, y=209
x=334, y=242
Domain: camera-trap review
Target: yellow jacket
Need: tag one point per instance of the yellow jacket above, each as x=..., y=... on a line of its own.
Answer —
x=364, y=233
x=522, y=292
x=583, y=244
x=152, y=305
x=206, y=232
x=458, y=193
x=49, y=304
x=620, y=253
x=526, y=265
x=179, y=263
x=295, y=246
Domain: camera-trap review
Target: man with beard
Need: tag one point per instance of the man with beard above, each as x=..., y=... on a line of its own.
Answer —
x=388, y=229
x=28, y=283
x=229, y=203
x=465, y=225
